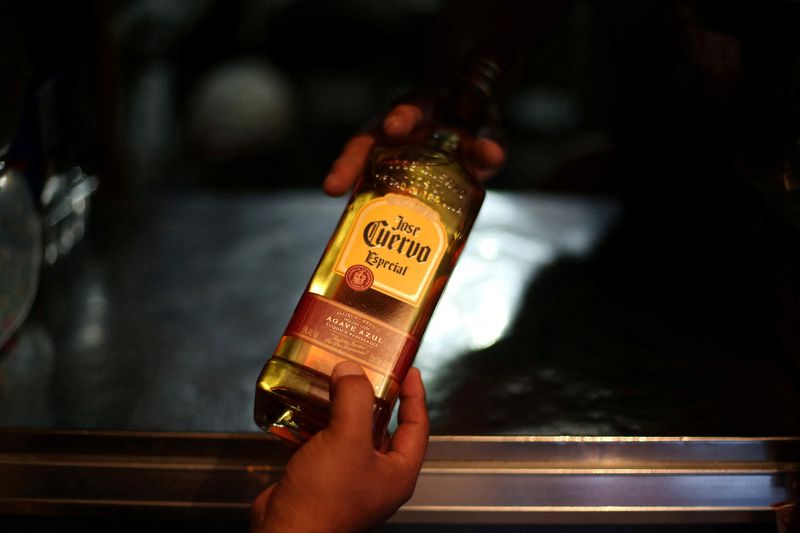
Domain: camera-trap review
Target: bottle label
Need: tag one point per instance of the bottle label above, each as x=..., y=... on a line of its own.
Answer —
x=394, y=246
x=350, y=334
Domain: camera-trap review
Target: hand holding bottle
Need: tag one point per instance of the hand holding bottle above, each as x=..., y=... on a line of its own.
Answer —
x=337, y=481
x=385, y=267
x=485, y=156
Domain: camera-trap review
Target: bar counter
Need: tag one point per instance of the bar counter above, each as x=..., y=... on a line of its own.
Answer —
x=580, y=368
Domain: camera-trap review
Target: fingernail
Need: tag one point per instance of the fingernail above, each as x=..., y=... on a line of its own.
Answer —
x=347, y=368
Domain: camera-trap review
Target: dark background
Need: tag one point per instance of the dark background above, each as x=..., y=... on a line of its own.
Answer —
x=684, y=115
x=683, y=321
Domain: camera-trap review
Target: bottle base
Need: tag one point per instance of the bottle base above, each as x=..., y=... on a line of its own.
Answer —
x=293, y=403
x=286, y=429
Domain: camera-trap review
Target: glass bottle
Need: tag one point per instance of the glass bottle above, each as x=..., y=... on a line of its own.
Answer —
x=385, y=267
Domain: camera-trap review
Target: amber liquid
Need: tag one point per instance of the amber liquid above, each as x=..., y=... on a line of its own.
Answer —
x=292, y=398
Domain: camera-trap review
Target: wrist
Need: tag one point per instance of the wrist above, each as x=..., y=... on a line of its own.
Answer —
x=286, y=519
x=295, y=525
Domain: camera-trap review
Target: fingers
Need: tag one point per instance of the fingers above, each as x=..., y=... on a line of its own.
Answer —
x=486, y=157
x=400, y=121
x=410, y=440
x=353, y=403
x=403, y=118
x=348, y=167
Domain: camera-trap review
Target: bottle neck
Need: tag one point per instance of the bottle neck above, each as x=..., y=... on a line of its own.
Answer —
x=445, y=140
x=463, y=109
x=471, y=104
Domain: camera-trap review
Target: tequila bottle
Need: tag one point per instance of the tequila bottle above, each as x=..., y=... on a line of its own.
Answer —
x=385, y=267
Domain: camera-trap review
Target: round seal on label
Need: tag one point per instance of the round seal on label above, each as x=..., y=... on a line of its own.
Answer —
x=359, y=277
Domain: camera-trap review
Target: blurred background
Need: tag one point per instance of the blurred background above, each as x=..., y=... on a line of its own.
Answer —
x=205, y=93
x=635, y=271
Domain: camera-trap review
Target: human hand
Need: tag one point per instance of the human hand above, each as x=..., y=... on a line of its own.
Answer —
x=484, y=156
x=337, y=481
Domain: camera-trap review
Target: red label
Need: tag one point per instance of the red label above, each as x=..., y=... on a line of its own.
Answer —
x=359, y=278
x=346, y=332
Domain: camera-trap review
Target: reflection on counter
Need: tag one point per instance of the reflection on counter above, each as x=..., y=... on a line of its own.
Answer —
x=515, y=238
x=563, y=317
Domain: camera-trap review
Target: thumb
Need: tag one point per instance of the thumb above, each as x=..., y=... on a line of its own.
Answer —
x=353, y=401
